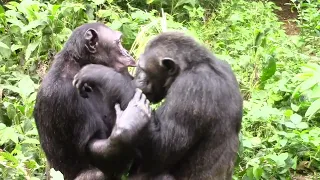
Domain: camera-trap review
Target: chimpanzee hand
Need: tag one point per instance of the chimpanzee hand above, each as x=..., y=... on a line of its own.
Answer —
x=90, y=76
x=133, y=119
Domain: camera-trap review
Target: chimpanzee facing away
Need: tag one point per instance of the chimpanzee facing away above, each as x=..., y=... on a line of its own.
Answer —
x=194, y=133
x=83, y=137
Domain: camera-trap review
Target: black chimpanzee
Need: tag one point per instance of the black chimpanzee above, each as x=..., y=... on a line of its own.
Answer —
x=194, y=133
x=83, y=137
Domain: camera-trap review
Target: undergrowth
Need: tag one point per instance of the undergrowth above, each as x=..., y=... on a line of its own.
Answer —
x=278, y=74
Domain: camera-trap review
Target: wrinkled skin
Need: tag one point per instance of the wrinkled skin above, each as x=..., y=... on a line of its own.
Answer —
x=83, y=137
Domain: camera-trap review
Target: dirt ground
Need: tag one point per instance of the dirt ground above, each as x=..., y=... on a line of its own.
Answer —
x=287, y=16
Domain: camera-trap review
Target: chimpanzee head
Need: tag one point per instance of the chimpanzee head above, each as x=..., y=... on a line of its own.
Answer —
x=95, y=43
x=165, y=57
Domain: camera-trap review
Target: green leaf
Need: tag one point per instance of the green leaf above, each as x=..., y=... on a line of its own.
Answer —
x=290, y=125
x=26, y=86
x=149, y=1
x=280, y=159
x=314, y=107
x=15, y=47
x=296, y=118
x=98, y=2
x=31, y=47
x=315, y=92
x=56, y=175
x=32, y=25
x=269, y=70
x=309, y=83
x=294, y=107
x=3, y=45
x=11, y=111
x=116, y=25
x=31, y=141
x=8, y=134
x=33, y=132
x=257, y=172
x=302, y=125
x=283, y=142
x=11, y=88
x=2, y=126
x=182, y=2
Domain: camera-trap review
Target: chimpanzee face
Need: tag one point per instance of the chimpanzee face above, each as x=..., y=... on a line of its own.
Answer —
x=105, y=47
x=154, y=75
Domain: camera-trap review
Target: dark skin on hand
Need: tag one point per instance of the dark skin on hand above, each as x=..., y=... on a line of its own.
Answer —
x=194, y=134
x=87, y=138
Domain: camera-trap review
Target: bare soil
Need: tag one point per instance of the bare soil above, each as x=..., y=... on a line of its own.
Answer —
x=287, y=15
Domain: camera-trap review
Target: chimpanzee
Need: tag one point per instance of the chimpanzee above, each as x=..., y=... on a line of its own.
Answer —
x=194, y=133
x=83, y=137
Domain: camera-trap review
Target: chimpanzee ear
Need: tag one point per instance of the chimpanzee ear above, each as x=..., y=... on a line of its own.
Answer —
x=170, y=65
x=91, y=40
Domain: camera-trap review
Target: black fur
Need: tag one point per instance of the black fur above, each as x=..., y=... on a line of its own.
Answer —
x=194, y=133
x=69, y=125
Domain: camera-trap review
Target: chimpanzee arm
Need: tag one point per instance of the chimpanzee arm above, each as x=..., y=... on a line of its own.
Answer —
x=128, y=125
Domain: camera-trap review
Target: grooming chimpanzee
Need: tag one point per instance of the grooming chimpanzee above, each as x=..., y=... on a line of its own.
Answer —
x=83, y=137
x=194, y=133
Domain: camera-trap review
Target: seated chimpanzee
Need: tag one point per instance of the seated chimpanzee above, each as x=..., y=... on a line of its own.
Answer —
x=194, y=133
x=83, y=137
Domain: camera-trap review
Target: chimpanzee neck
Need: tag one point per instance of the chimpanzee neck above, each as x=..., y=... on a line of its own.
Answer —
x=67, y=64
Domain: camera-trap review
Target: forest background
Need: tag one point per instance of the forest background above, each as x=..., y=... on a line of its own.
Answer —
x=272, y=46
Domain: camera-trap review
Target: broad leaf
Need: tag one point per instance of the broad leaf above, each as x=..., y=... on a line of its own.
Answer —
x=3, y=45
x=314, y=107
x=269, y=70
x=31, y=47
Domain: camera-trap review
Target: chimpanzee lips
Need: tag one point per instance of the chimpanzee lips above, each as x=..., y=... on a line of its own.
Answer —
x=127, y=61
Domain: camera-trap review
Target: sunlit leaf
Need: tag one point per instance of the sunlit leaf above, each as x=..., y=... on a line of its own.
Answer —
x=309, y=83
x=3, y=45
x=314, y=107
x=280, y=159
x=30, y=141
x=294, y=107
x=26, y=86
x=290, y=125
x=296, y=118
x=8, y=134
x=56, y=175
x=257, y=172
x=149, y=1
x=315, y=92
x=31, y=47
x=32, y=25
x=283, y=142
x=99, y=2
x=116, y=25
x=2, y=126
x=14, y=47
x=302, y=125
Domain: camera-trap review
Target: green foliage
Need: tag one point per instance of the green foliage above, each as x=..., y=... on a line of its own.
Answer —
x=278, y=74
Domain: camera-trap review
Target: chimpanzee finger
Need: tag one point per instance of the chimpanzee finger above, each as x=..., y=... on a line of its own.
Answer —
x=137, y=95
x=118, y=110
x=87, y=88
x=143, y=99
x=75, y=81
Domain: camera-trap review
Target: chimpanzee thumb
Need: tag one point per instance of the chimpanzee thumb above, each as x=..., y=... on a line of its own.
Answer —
x=118, y=110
